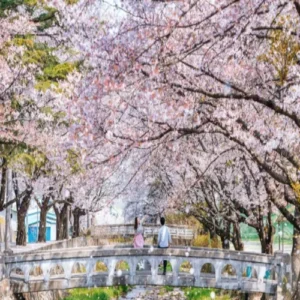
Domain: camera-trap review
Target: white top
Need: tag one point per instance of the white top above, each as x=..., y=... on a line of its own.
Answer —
x=164, y=237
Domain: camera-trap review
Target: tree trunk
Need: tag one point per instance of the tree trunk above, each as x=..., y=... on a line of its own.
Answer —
x=21, y=215
x=59, y=227
x=76, y=226
x=3, y=184
x=43, y=223
x=266, y=239
x=58, y=230
x=62, y=228
x=65, y=225
x=266, y=244
x=237, y=238
x=225, y=243
x=296, y=249
x=21, y=229
x=44, y=208
x=77, y=213
x=225, y=238
x=266, y=232
x=61, y=222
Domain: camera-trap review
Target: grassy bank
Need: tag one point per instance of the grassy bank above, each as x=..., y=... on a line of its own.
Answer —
x=106, y=293
x=206, y=294
x=110, y=293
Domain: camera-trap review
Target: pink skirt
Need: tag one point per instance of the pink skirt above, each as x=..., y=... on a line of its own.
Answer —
x=138, y=241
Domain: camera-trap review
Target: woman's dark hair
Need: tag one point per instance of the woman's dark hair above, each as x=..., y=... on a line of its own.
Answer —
x=136, y=223
x=162, y=221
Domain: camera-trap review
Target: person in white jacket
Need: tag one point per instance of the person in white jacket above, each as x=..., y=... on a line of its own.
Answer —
x=164, y=239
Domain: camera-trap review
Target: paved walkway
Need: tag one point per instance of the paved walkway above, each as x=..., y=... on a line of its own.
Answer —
x=27, y=248
x=254, y=246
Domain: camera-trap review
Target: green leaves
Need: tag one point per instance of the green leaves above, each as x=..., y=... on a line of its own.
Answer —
x=283, y=50
x=57, y=116
x=47, y=18
x=21, y=157
x=16, y=105
x=71, y=2
x=58, y=71
x=73, y=158
x=52, y=73
x=43, y=86
x=41, y=55
x=8, y=5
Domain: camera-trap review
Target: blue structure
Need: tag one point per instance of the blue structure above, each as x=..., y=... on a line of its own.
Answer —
x=32, y=226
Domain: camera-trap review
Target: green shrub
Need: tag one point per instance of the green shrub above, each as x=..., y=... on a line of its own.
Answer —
x=122, y=265
x=228, y=269
x=161, y=266
x=107, y=293
x=183, y=219
x=101, y=267
x=204, y=294
x=201, y=241
x=215, y=243
x=103, y=296
x=124, y=289
x=185, y=266
x=169, y=288
x=207, y=268
x=165, y=289
x=79, y=268
x=86, y=294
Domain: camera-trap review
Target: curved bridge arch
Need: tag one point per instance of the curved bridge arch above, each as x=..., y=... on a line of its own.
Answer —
x=88, y=257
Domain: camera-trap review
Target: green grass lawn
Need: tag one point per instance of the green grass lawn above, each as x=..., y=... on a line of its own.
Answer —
x=106, y=293
x=205, y=294
x=109, y=293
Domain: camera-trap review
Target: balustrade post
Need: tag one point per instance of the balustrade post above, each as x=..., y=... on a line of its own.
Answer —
x=111, y=270
x=239, y=273
x=68, y=265
x=46, y=271
x=4, y=270
x=132, y=268
x=197, y=272
x=26, y=272
x=89, y=271
x=279, y=274
x=262, y=271
x=218, y=269
x=175, y=270
x=154, y=261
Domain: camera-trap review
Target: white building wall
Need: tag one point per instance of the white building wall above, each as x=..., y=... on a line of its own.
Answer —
x=53, y=232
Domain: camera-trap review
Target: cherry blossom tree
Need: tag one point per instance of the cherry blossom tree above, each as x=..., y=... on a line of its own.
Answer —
x=228, y=68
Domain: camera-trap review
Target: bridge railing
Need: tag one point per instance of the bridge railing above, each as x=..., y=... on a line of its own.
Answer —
x=20, y=269
x=178, y=231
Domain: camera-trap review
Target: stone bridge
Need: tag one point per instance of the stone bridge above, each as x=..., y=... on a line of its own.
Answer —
x=103, y=266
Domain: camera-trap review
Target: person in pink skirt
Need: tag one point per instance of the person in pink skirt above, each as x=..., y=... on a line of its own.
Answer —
x=138, y=240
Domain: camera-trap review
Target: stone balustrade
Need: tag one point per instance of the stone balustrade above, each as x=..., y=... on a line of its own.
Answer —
x=182, y=232
x=198, y=267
